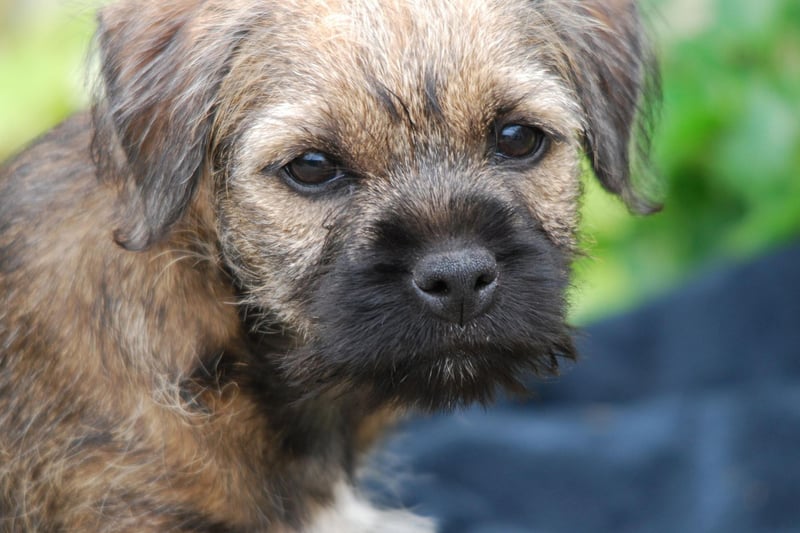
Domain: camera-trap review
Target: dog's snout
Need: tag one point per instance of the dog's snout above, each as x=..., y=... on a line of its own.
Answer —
x=457, y=285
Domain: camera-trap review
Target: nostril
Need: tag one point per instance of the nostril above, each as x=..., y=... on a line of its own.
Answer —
x=438, y=287
x=485, y=279
x=433, y=285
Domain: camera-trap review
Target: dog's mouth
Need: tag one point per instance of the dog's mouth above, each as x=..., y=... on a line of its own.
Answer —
x=433, y=366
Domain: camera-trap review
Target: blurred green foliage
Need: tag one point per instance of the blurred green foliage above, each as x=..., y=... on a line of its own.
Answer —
x=42, y=67
x=727, y=146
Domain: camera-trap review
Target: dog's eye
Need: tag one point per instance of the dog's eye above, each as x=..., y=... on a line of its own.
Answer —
x=313, y=170
x=515, y=141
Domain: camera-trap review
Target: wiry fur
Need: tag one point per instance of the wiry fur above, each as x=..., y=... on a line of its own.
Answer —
x=188, y=344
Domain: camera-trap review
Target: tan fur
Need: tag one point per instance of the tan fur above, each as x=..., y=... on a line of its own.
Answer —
x=126, y=375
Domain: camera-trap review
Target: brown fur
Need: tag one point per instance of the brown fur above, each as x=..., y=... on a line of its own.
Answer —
x=169, y=354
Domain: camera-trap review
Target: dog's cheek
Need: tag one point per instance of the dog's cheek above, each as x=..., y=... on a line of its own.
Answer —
x=552, y=191
x=272, y=241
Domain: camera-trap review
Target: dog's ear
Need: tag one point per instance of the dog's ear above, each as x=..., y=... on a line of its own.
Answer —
x=161, y=66
x=616, y=80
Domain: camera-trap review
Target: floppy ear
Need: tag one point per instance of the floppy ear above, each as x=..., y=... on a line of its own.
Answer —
x=616, y=80
x=161, y=66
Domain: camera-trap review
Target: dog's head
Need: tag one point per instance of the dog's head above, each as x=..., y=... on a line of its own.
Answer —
x=396, y=183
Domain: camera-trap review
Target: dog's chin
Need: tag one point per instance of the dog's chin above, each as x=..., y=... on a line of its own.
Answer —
x=433, y=379
x=456, y=378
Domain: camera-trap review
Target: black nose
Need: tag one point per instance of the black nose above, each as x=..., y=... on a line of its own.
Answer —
x=456, y=285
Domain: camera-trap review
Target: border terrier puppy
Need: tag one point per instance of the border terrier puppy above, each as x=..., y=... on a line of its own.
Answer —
x=283, y=225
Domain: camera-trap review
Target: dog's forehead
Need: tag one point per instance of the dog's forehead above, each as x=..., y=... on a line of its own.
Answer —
x=365, y=67
x=408, y=47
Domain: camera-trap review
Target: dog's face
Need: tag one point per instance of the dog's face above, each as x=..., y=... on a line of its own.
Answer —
x=395, y=183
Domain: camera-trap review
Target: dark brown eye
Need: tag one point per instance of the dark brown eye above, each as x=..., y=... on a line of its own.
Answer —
x=515, y=141
x=313, y=170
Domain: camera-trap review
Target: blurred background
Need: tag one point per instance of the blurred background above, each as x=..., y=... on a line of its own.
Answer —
x=727, y=147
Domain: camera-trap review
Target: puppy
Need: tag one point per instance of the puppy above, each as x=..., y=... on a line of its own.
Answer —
x=282, y=226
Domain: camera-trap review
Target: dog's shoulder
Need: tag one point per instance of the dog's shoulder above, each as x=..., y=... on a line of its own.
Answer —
x=48, y=187
x=61, y=153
